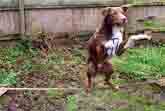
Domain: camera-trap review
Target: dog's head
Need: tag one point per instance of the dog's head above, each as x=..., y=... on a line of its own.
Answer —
x=115, y=15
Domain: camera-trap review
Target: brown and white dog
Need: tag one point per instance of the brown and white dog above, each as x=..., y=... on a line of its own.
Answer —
x=107, y=42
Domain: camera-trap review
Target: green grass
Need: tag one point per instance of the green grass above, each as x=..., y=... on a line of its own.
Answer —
x=139, y=99
x=142, y=63
x=9, y=58
x=56, y=94
x=154, y=25
x=143, y=1
x=135, y=1
x=7, y=77
x=71, y=103
x=23, y=59
x=140, y=103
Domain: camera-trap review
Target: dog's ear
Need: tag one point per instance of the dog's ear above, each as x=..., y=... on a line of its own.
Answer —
x=106, y=11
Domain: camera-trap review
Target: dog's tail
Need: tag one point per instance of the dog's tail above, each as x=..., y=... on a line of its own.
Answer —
x=130, y=42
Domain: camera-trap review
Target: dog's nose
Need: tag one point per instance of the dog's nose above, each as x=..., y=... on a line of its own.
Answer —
x=125, y=20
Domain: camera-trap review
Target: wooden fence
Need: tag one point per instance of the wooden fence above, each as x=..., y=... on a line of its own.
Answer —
x=50, y=16
x=26, y=17
x=150, y=16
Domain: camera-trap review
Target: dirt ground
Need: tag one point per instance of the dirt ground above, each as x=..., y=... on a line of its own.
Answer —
x=67, y=73
x=134, y=97
x=65, y=67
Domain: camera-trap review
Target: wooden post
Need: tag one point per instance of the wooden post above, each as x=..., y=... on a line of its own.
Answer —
x=125, y=1
x=22, y=18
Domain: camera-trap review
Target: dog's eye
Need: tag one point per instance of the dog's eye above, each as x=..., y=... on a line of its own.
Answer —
x=114, y=13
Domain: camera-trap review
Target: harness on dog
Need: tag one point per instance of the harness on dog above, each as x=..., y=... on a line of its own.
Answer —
x=113, y=44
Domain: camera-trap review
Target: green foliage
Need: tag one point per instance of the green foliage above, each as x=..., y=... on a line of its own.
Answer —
x=23, y=59
x=75, y=56
x=8, y=61
x=143, y=1
x=142, y=63
x=140, y=103
x=71, y=103
x=155, y=25
x=56, y=59
x=78, y=56
x=56, y=94
x=135, y=98
x=7, y=77
x=135, y=1
x=119, y=95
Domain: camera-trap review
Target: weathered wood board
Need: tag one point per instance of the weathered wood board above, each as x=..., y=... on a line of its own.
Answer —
x=13, y=3
x=63, y=20
x=9, y=22
x=53, y=15
x=142, y=12
x=69, y=15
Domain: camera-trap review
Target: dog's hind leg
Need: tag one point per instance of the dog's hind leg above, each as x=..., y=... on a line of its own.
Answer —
x=108, y=82
x=89, y=81
x=108, y=73
x=91, y=73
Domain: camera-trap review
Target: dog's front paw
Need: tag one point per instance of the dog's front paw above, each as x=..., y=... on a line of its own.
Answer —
x=108, y=44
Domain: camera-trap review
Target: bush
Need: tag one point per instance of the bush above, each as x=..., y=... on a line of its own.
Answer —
x=142, y=63
x=10, y=67
x=7, y=77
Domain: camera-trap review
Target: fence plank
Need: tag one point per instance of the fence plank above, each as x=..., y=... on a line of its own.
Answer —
x=60, y=3
x=22, y=18
x=82, y=15
x=137, y=14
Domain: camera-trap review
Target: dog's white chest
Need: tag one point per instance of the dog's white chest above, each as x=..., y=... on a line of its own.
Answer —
x=117, y=33
x=113, y=44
